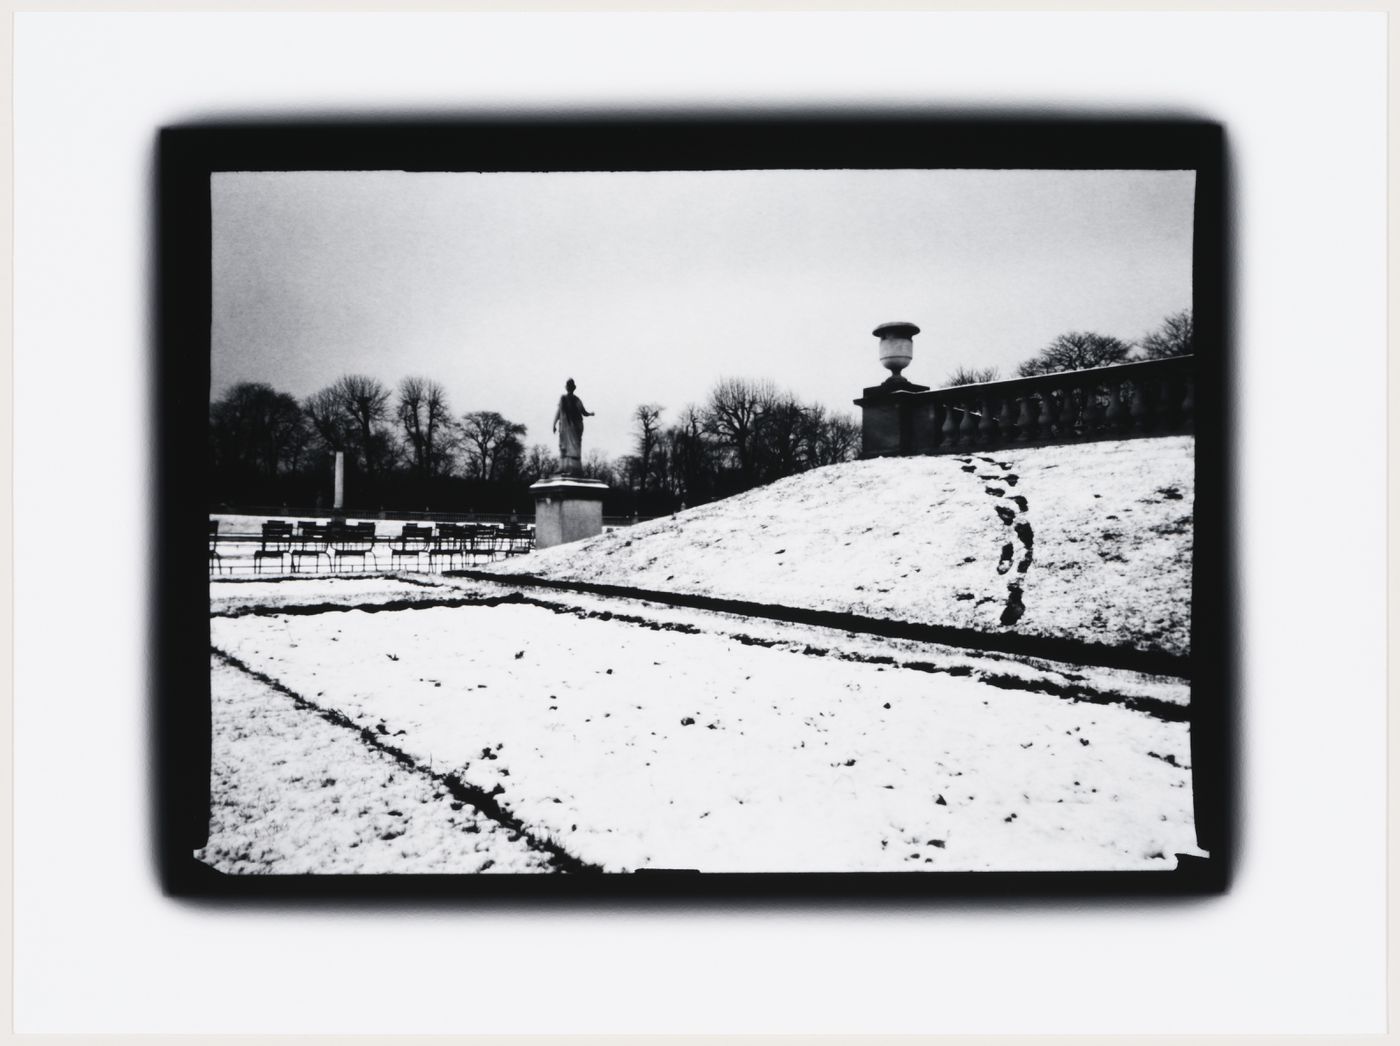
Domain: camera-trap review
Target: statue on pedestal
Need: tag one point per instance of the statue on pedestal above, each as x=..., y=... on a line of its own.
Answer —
x=567, y=506
x=568, y=422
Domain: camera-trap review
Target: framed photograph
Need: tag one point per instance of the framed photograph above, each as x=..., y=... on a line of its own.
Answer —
x=776, y=508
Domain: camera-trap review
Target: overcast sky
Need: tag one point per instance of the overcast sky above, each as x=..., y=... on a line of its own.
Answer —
x=647, y=287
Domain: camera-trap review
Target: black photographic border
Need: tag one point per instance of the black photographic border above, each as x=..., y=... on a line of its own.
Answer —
x=187, y=155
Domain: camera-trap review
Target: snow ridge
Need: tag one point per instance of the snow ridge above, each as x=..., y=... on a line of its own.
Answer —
x=910, y=540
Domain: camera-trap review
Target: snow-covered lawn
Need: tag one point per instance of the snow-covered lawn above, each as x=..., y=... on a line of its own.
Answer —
x=1094, y=539
x=293, y=793
x=230, y=593
x=1083, y=681
x=408, y=722
x=633, y=747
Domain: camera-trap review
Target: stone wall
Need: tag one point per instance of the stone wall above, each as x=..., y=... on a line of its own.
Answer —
x=1151, y=398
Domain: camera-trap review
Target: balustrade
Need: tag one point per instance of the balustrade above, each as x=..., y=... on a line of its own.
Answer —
x=1154, y=397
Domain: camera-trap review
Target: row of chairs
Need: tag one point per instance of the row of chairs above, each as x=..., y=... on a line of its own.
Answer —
x=311, y=540
x=340, y=543
x=468, y=540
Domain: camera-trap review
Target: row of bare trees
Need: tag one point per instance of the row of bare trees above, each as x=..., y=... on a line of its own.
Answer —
x=413, y=428
x=745, y=434
x=406, y=446
x=1084, y=350
x=399, y=444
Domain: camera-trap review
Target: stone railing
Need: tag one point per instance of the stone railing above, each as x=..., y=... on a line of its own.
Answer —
x=1152, y=398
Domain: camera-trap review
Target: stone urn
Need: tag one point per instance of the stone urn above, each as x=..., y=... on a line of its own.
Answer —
x=896, y=348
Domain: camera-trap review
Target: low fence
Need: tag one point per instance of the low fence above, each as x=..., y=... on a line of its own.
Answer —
x=248, y=547
x=1151, y=398
x=401, y=515
x=278, y=549
x=395, y=516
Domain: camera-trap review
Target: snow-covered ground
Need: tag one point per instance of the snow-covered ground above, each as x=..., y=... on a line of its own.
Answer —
x=227, y=594
x=1090, y=542
x=633, y=746
x=1082, y=682
x=405, y=721
x=293, y=793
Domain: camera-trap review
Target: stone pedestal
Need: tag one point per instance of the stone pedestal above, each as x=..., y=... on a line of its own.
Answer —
x=888, y=418
x=567, y=508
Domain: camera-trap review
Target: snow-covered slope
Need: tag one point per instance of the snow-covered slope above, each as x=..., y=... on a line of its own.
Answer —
x=1090, y=542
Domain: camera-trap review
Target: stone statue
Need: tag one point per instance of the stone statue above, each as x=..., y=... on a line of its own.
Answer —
x=568, y=422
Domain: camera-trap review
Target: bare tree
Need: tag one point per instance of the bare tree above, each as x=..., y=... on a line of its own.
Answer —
x=348, y=415
x=731, y=416
x=689, y=456
x=648, y=419
x=366, y=403
x=779, y=433
x=538, y=463
x=597, y=466
x=970, y=376
x=1077, y=350
x=1175, y=337
x=328, y=419
x=424, y=416
x=628, y=468
x=255, y=429
x=829, y=439
x=508, y=463
x=485, y=434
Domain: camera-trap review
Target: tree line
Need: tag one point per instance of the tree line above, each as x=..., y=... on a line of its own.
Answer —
x=746, y=434
x=405, y=448
x=1084, y=350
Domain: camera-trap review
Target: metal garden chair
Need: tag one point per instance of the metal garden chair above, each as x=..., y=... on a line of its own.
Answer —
x=413, y=541
x=216, y=559
x=312, y=540
x=348, y=542
x=276, y=543
x=446, y=543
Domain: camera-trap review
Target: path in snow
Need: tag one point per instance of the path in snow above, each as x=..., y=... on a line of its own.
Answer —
x=230, y=593
x=645, y=747
x=1015, y=588
x=1155, y=693
x=293, y=793
x=911, y=539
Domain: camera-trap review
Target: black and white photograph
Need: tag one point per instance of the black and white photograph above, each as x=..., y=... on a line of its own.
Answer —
x=606, y=518
x=716, y=523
